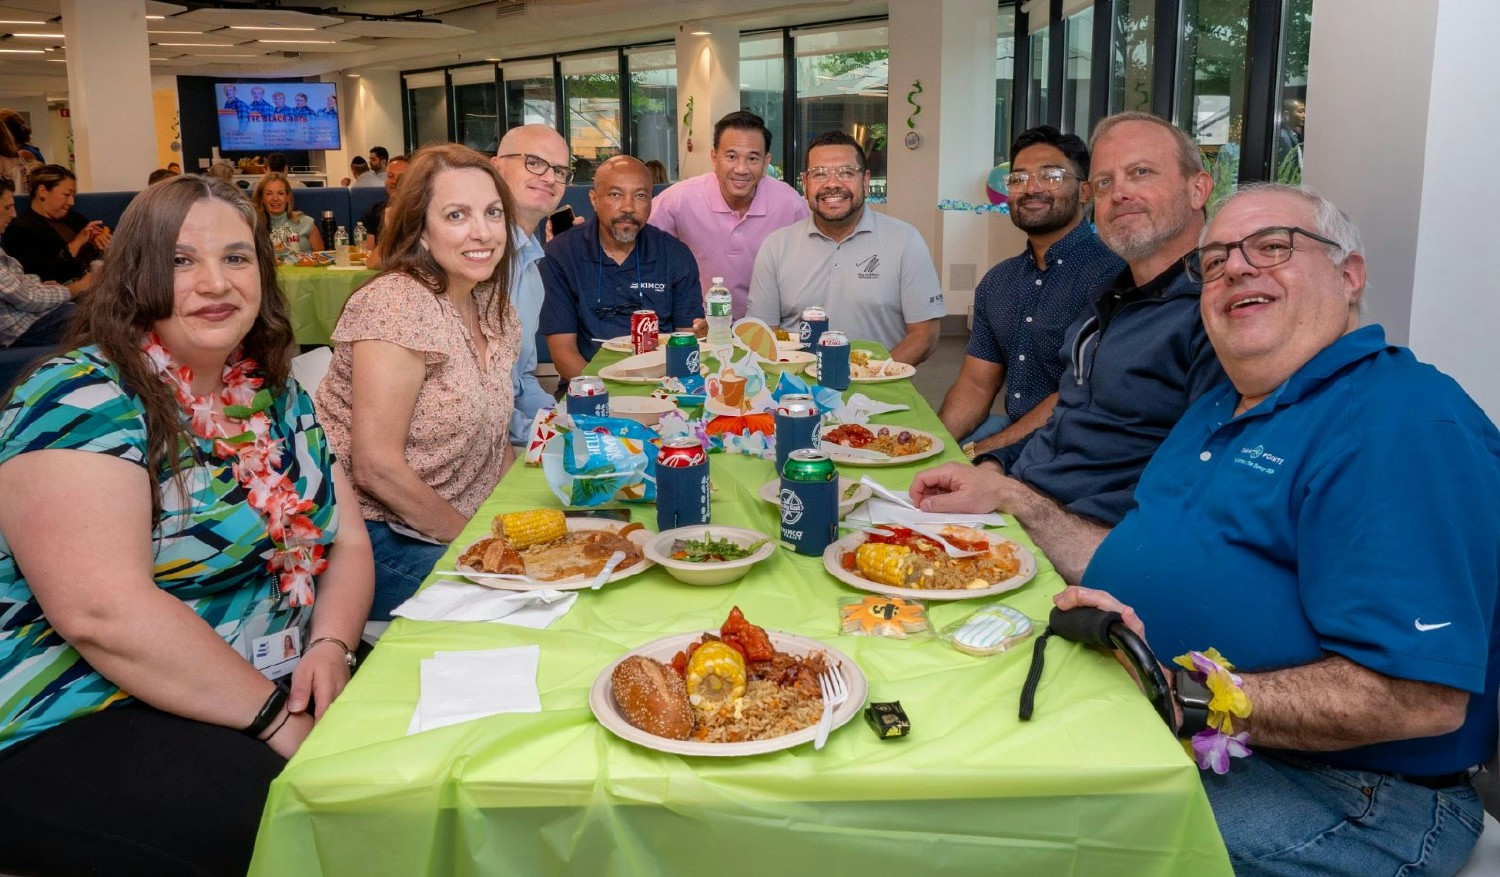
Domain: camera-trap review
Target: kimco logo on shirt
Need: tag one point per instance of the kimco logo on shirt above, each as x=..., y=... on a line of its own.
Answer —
x=869, y=268
x=1257, y=457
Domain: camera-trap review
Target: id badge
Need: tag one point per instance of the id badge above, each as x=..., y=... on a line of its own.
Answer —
x=276, y=654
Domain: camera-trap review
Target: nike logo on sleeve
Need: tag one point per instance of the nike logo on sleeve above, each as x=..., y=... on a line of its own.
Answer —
x=1426, y=627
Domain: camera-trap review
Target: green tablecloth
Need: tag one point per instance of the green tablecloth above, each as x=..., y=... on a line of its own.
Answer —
x=1094, y=784
x=316, y=297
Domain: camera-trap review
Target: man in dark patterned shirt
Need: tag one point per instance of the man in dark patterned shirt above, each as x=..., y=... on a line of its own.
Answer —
x=1024, y=304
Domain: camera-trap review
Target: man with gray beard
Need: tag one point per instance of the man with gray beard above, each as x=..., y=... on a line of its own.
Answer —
x=598, y=274
x=1136, y=358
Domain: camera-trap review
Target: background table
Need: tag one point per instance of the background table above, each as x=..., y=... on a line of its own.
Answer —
x=1094, y=784
x=316, y=297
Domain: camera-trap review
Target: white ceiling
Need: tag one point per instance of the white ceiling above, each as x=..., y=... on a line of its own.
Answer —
x=308, y=38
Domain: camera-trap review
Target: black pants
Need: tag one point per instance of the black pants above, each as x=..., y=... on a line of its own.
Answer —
x=133, y=790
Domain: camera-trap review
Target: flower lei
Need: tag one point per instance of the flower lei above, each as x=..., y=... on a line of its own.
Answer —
x=242, y=433
x=1213, y=746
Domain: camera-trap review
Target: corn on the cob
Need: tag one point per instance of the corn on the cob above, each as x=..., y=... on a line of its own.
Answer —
x=521, y=529
x=715, y=675
x=882, y=562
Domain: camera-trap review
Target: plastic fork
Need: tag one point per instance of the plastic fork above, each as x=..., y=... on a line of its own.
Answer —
x=502, y=577
x=835, y=692
x=609, y=568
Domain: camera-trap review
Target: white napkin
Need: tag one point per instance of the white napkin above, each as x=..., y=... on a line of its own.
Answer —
x=880, y=511
x=460, y=686
x=859, y=408
x=463, y=601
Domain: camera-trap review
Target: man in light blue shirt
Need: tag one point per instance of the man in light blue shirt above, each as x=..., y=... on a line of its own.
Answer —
x=535, y=196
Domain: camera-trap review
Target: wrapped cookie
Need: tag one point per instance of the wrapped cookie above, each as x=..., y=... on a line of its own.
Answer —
x=991, y=630
x=875, y=615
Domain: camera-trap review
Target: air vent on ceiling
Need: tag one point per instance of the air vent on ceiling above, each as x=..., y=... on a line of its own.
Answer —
x=509, y=7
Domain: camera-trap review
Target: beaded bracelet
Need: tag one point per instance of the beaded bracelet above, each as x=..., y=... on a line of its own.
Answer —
x=1213, y=746
x=268, y=711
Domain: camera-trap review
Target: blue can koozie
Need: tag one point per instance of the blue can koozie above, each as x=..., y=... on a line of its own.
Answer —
x=809, y=502
x=797, y=422
x=682, y=355
x=833, y=361
x=814, y=324
x=682, y=486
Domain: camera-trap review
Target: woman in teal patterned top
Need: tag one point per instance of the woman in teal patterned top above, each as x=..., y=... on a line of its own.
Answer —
x=170, y=497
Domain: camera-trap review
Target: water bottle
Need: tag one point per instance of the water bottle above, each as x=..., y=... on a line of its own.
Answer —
x=341, y=247
x=359, y=235
x=720, y=314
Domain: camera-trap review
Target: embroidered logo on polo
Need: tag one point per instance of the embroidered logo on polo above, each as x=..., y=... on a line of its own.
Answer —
x=869, y=269
x=1259, y=459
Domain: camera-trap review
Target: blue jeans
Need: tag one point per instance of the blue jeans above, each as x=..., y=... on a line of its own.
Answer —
x=991, y=425
x=401, y=564
x=1294, y=818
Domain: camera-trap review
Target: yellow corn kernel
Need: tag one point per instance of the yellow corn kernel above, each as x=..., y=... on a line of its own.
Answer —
x=715, y=675
x=882, y=562
x=521, y=529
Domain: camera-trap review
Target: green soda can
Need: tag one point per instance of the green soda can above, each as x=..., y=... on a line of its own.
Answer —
x=809, y=501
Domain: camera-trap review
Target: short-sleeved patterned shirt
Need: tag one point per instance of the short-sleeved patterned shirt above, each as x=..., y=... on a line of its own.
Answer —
x=461, y=423
x=1021, y=312
x=207, y=546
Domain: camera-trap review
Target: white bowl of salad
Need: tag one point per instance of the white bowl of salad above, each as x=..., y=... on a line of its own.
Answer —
x=708, y=554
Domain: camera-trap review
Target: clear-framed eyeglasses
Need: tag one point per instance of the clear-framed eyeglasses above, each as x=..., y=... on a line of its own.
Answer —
x=540, y=166
x=1048, y=179
x=1266, y=248
x=845, y=174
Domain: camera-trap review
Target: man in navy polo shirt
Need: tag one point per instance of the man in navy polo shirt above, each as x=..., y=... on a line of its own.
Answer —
x=596, y=275
x=1024, y=304
x=1330, y=522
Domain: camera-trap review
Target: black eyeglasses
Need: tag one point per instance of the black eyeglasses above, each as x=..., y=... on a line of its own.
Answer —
x=1266, y=248
x=539, y=166
x=1048, y=179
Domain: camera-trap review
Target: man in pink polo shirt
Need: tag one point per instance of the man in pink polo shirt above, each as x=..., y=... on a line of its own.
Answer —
x=724, y=216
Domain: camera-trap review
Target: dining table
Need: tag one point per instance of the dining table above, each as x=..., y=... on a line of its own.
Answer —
x=315, y=296
x=1094, y=783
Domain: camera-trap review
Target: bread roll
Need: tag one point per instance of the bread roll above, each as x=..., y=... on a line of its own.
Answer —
x=652, y=697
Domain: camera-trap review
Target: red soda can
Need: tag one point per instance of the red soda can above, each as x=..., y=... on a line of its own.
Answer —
x=643, y=330
x=682, y=488
x=681, y=452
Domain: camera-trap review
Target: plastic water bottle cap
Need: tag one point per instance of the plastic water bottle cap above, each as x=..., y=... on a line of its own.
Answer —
x=718, y=281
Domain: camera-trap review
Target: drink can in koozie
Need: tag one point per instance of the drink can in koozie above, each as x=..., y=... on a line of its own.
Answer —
x=797, y=423
x=833, y=360
x=588, y=395
x=682, y=489
x=682, y=354
x=643, y=329
x=809, y=502
x=814, y=324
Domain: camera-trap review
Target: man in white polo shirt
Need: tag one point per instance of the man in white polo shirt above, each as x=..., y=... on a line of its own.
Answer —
x=872, y=273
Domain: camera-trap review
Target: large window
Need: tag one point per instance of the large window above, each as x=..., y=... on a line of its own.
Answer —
x=1210, y=102
x=1005, y=82
x=762, y=92
x=476, y=107
x=427, y=107
x=1078, y=30
x=1036, y=93
x=842, y=76
x=591, y=92
x=1130, y=43
x=1286, y=152
x=653, y=105
x=529, y=95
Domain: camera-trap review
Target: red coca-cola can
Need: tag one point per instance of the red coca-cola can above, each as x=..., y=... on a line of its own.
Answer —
x=643, y=331
x=681, y=452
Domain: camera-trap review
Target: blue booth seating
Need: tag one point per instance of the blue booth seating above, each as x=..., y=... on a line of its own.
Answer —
x=348, y=205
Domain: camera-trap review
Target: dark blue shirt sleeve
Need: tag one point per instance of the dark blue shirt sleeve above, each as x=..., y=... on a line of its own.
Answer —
x=559, y=314
x=687, y=297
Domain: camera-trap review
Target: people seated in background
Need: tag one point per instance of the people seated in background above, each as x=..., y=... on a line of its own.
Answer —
x=658, y=172
x=597, y=275
x=358, y=169
x=379, y=156
x=1025, y=303
x=1329, y=521
x=222, y=170
x=872, y=272
x=725, y=215
x=142, y=630
x=276, y=163
x=51, y=240
x=33, y=313
x=158, y=175
x=20, y=131
x=13, y=165
x=533, y=161
x=374, y=218
x=273, y=201
x=1137, y=356
x=417, y=401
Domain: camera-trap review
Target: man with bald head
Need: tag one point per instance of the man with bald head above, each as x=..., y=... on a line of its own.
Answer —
x=598, y=274
x=533, y=161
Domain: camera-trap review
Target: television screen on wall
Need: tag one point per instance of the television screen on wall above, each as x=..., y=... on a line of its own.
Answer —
x=277, y=116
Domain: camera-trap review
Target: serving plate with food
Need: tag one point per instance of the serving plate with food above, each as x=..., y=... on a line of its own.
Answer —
x=859, y=445
x=898, y=562
x=740, y=690
x=708, y=554
x=851, y=494
x=544, y=549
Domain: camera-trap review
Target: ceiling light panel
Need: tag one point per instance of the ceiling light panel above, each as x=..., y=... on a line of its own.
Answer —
x=411, y=30
x=259, y=18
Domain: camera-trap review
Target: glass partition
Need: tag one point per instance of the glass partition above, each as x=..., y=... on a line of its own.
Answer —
x=1036, y=98
x=427, y=108
x=1130, y=39
x=1286, y=153
x=1078, y=33
x=653, y=105
x=476, y=107
x=529, y=95
x=842, y=76
x=1210, y=100
x=591, y=93
x=1005, y=82
x=762, y=92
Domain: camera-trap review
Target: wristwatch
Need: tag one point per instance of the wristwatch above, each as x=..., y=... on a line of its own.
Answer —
x=1192, y=697
x=349, y=657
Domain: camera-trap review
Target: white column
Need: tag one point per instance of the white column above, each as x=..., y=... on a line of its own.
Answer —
x=109, y=93
x=708, y=72
x=1399, y=123
x=949, y=46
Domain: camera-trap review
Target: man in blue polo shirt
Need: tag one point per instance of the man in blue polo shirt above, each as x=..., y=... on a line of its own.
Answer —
x=596, y=275
x=1023, y=305
x=1329, y=521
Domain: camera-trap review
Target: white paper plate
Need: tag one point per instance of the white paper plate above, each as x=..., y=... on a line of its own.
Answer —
x=602, y=702
x=771, y=493
x=638, y=536
x=643, y=368
x=849, y=543
x=842, y=455
x=645, y=410
x=622, y=344
x=896, y=372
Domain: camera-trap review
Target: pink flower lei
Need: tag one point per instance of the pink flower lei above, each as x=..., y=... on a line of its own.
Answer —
x=242, y=433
